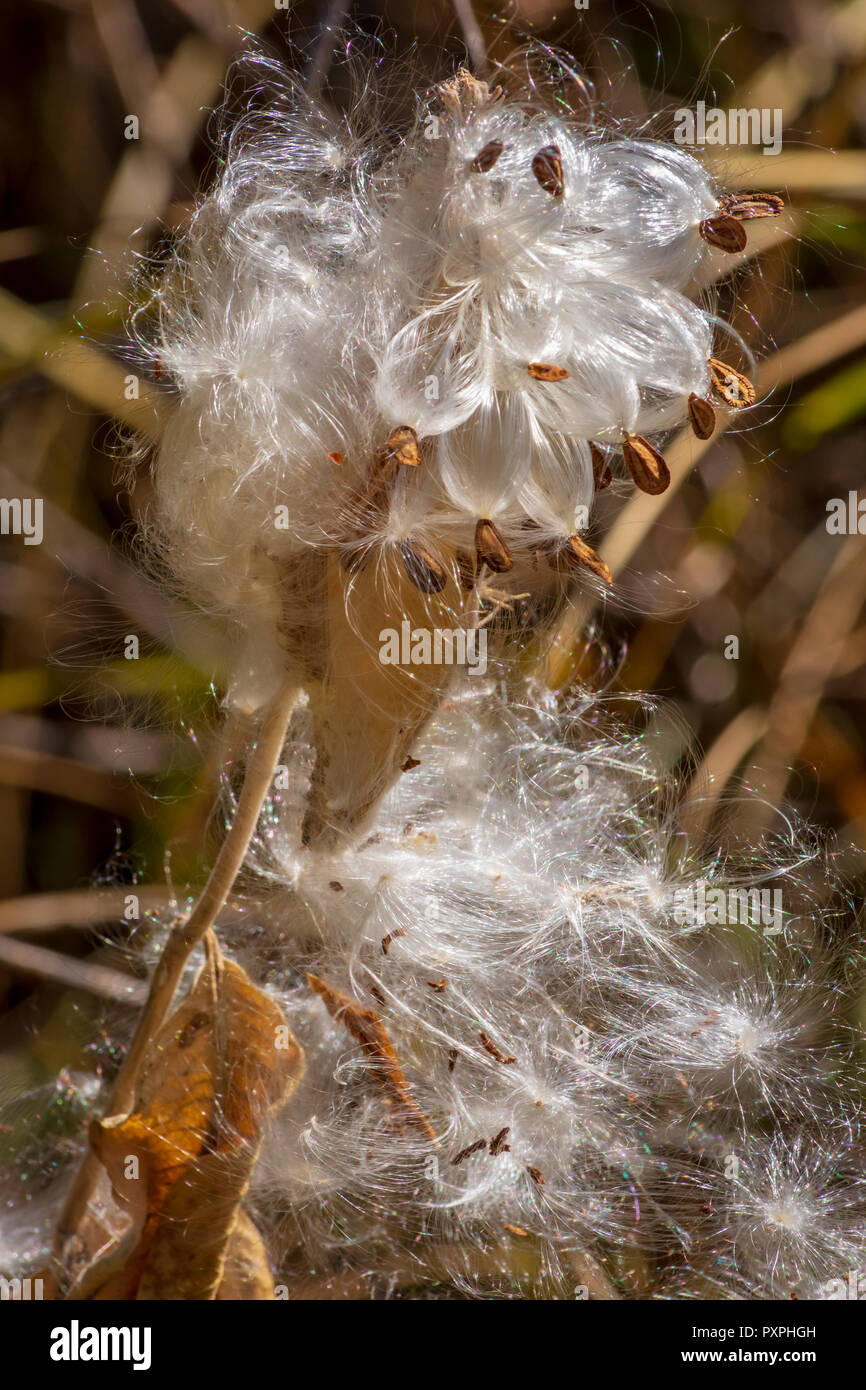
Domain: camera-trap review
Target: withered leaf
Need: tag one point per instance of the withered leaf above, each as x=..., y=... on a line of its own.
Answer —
x=545, y=371
x=491, y=547
x=723, y=232
x=180, y=1163
x=731, y=385
x=367, y=1028
x=702, y=416
x=646, y=465
x=487, y=156
x=749, y=205
x=547, y=168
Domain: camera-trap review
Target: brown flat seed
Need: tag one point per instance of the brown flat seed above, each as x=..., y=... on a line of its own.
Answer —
x=403, y=446
x=392, y=936
x=469, y=1151
x=547, y=168
x=576, y=554
x=723, y=232
x=601, y=473
x=422, y=567
x=498, y=1144
x=490, y=1046
x=646, y=465
x=491, y=548
x=466, y=569
x=702, y=416
x=748, y=205
x=545, y=371
x=487, y=156
x=535, y=1174
x=731, y=385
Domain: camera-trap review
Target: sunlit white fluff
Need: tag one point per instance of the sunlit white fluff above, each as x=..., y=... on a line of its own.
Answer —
x=341, y=281
x=526, y=863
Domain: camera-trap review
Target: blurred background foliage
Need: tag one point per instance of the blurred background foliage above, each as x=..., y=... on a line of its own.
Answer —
x=109, y=768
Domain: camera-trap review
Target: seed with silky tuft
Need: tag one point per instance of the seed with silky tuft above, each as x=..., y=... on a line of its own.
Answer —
x=547, y=168
x=423, y=568
x=702, y=416
x=545, y=371
x=403, y=446
x=487, y=156
x=731, y=385
x=601, y=471
x=575, y=554
x=491, y=547
x=646, y=465
x=723, y=232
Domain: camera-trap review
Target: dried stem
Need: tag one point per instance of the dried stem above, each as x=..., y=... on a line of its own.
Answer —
x=184, y=937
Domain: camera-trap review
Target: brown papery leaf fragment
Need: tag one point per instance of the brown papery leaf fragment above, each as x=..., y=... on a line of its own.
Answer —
x=223, y=1061
x=367, y=1028
x=646, y=465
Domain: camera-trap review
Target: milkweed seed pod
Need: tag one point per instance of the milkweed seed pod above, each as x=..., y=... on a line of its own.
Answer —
x=405, y=365
x=545, y=1046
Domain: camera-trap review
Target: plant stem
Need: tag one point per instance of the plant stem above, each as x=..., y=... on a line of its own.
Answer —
x=185, y=936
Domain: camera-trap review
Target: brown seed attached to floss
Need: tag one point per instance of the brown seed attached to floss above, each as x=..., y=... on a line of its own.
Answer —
x=409, y=764
x=731, y=385
x=745, y=206
x=336, y=457
x=491, y=548
x=467, y=569
x=403, y=446
x=546, y=371
x=601, y=470
x=702, y=416
x=490, y=1046
x=422, y=567
x=724, y=232
x=469, y=1151
x=498, y=1144
x=392, y=936
x=575, y=554
x=646, y=465
x=453, y=1054
x=536, y=1174
x=547, y=168
x=437, y=985
x=487, y=156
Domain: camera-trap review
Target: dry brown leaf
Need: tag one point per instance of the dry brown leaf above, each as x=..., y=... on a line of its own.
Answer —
x=180, y=1164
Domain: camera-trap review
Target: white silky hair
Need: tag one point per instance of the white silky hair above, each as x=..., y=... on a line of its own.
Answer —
x=519, y=888
x=342, y=280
